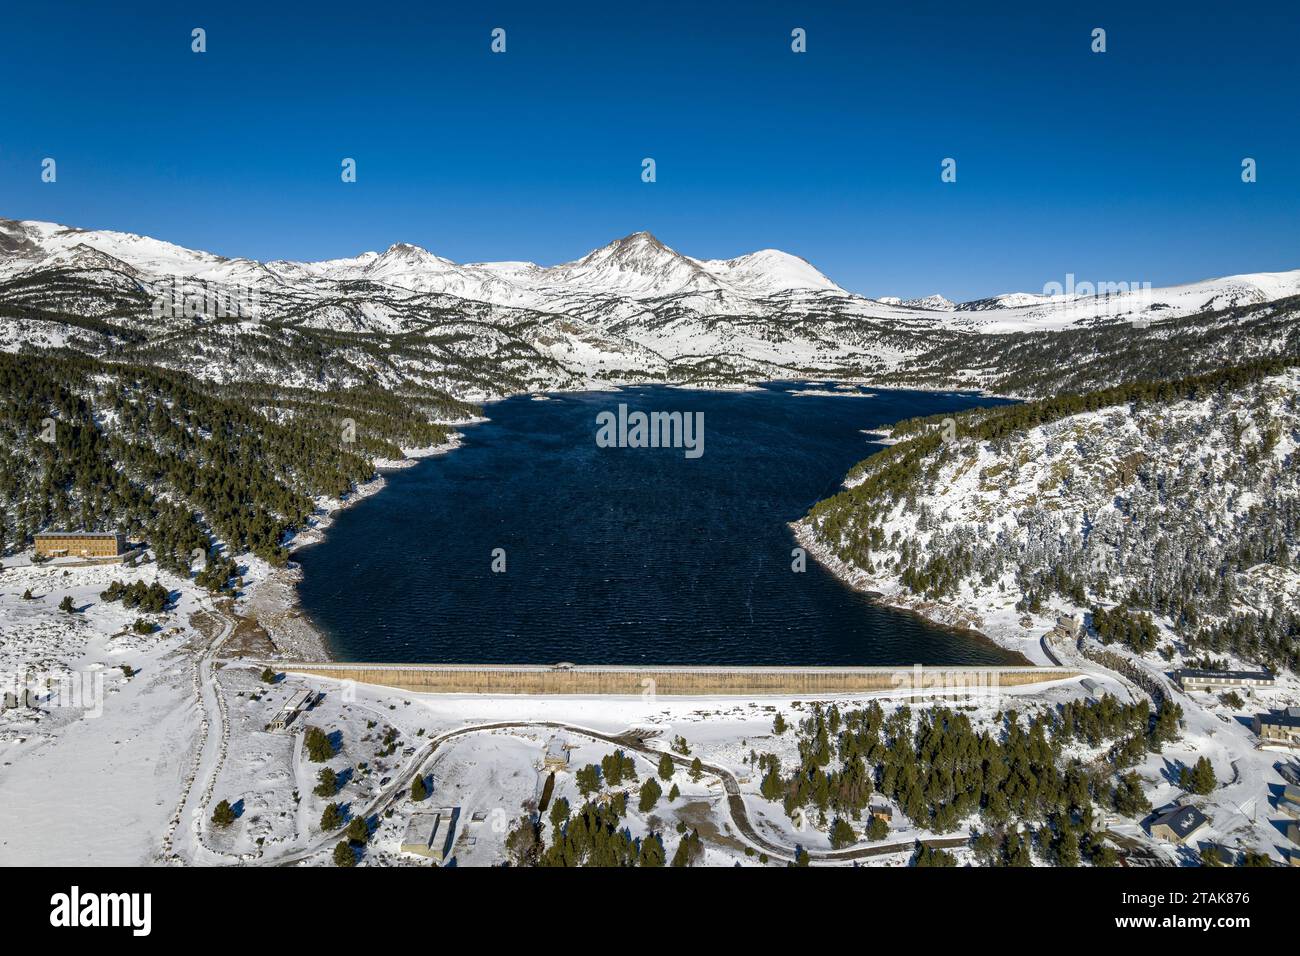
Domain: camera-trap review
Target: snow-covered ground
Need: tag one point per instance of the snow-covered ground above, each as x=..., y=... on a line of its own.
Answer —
x=132, y=776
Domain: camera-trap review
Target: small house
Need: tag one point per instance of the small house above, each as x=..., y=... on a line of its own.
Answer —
x=429, y=833
x=881, y=811
x=1179, y=824
x=1281, y=727
x=292, y=707
x=557, y=755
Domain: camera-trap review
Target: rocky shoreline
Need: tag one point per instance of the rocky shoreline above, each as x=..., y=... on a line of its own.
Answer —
x=272, y=603
x=964, y=620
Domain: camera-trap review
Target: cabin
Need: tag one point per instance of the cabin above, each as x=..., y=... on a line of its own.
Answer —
x=80, y=544
x=1280, y=727
x=429, y=832
x=1069, y=625
x=1179, y=824
x=881, y=812
x=1207, y=680
x=292, y=708
x=557, y=757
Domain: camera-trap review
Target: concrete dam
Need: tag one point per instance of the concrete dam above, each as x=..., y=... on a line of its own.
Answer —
x=693, y=681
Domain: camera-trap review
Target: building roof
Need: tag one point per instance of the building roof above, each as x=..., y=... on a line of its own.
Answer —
x=1282, y=718
x=297, y=700
x=1184, y=820
x=555, y=749
x=1225, y=675
x=77, y=534
x=421, y=828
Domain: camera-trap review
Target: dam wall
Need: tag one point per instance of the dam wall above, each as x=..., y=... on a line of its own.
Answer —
x=705, y=681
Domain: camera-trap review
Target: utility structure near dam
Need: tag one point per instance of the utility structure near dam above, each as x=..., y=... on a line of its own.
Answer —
x=693, y=681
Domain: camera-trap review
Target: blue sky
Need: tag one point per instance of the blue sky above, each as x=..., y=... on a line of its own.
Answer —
x=1122, y=166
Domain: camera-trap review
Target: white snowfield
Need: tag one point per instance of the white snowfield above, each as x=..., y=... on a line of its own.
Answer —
x=618, y=280
x=134, y=779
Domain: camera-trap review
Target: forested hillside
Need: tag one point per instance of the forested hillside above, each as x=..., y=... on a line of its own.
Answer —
x=1174, y=499
x=177, y=462
x=1107, y=352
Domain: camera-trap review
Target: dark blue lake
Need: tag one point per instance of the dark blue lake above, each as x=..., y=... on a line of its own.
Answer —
x=620, y=555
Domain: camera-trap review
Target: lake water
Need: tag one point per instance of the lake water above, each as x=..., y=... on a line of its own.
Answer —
x=620, y=555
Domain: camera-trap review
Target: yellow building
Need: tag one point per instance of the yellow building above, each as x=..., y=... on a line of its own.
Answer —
x=79, y=544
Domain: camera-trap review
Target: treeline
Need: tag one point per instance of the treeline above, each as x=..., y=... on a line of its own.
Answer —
x=163, y=457
x=939, y=770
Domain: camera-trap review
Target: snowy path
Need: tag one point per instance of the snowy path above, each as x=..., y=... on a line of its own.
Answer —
x=209, y=755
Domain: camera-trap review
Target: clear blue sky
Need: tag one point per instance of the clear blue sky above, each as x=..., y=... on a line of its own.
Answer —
x=1123, y=166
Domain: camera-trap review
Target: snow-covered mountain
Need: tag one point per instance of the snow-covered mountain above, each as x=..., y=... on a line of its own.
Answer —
x=933, y=303
x=634, y=309
x=618, y=278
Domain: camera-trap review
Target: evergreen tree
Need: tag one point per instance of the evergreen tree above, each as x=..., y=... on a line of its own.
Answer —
x=358, y=831
x=319, y=746
x=344, y=855
x=224, y=814
x=331, y=818
x=652, y=849
x=650, y=794
x=842, y=834
x=665, y=768
x=588, y=780
x=1200, y=778
x=327, y=783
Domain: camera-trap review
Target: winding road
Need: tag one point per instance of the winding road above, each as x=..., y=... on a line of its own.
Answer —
x=400, y=786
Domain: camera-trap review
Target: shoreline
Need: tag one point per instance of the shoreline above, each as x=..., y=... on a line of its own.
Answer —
x=968, y=623
x=272, y=603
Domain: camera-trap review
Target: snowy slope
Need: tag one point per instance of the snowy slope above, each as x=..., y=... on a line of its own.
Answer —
x=1187, y=502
